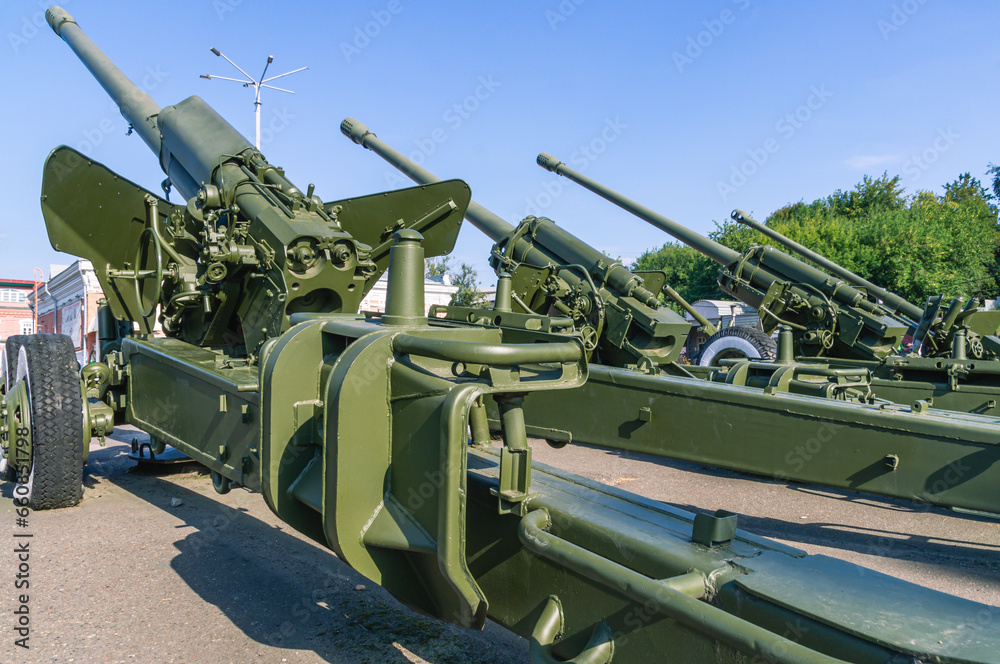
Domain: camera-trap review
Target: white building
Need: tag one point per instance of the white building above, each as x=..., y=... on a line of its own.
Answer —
x=67, y=304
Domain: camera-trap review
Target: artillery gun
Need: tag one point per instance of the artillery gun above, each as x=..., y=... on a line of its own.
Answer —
x=355, y=430
x=959, y=331
x=827, y=316
x=838, y=321
x=544, y=269
x=832, y=431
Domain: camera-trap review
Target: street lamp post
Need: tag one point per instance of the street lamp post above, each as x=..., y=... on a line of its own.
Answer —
x=256, y=84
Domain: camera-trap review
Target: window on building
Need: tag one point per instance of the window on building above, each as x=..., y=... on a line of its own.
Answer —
x=27, y=327
x=12, y=295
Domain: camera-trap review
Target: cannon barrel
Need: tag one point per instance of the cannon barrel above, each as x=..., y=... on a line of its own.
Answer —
x=771, y=265
x=489, y=223
x=826, y=312
x=190, y=138
x=896, y=302
x=136, y=106
x=552, y=269
x=717, y=252
x=562, y=246
x=250, y=220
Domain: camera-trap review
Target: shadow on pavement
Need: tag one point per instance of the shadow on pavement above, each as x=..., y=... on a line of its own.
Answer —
x=287, y=593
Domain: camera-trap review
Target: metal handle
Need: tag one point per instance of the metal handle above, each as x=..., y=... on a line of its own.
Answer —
x=472, y=352
x=599, y=649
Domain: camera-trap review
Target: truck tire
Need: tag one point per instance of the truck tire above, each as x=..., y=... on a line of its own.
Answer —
x=48, y=363
x=737, y=342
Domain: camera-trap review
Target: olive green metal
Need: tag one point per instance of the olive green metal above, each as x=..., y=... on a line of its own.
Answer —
x=786, y=345
x=714, y=530
x=470, y=352
x=356, y=432
x=965, y=374
x=479, y=425
x=895, y=302
x=721, y=254
x=219, y=404
x=641, y=575
x=833, y=430
x=19, y=430
x=136, y=106
x=958, y=345
x=502, y=301
x=662, y=596
x=554, y=270
x=248, y=250
x=936, y=336
x=830, y=316
x=98, y=417
x=403, y=451
x=753, y=421
x=510, y=240
x=492, y=225
x=639, y=426
x=599, y=650
x=686, y=306
x=952, y=312
x=404, y=302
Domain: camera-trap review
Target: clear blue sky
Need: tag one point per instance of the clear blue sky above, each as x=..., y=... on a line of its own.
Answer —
x=819, y=93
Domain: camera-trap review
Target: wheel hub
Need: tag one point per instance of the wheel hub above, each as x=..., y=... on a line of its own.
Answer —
x=19, y=430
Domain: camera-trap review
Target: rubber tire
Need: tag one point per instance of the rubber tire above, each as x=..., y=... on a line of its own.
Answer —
x=56, y=477
x=220, y=483
x=737, y=341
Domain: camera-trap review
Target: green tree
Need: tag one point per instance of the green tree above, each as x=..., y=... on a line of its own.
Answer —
x=468, y=293
x=436, y=267
x=994, y=171
x=688, y=272
x=868, y=196
x=917, y=246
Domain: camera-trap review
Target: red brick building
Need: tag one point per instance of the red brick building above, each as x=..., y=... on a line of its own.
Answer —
x=16, y=316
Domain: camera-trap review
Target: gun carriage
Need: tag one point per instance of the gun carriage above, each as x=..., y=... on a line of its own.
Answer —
x=833, y=430
x=356, y=430
x=838, y=320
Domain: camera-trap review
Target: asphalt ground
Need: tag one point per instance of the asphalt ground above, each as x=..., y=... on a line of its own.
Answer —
x=126, y=577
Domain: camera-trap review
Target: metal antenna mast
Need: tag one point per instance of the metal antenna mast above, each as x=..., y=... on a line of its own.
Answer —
x=256, y=84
